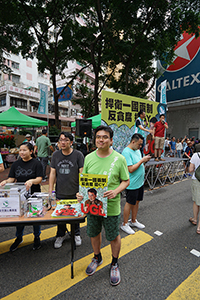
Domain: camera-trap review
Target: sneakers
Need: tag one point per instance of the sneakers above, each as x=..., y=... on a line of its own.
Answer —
x=136, y=224
x=36, y=244
x=114, y=275
x=16, y=243
x=78, y=240
x=59, y=241
x=126, y=228
x=92, y=266
x=156, y=159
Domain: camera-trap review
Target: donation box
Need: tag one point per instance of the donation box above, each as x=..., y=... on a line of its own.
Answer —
x=13, y=200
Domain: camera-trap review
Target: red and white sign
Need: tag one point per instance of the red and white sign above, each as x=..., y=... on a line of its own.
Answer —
x=185, y=51
x=23, y=92
x=2, y=89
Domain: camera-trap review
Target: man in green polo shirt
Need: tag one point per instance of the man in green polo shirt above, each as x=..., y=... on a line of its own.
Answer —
x=42, y=145
x=106, y=161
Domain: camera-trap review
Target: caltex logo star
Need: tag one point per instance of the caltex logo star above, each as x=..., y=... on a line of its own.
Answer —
x=185, y=51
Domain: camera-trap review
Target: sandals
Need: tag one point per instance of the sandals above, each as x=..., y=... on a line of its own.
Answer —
x=191, y=220
x=198, y=231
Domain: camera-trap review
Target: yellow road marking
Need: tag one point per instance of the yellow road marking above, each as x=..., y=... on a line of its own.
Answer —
x=28, y=238
x=188, y=289
x=52, y=285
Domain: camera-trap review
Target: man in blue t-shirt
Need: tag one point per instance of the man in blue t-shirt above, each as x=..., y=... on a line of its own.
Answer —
x=135, y=190
x=172, y=146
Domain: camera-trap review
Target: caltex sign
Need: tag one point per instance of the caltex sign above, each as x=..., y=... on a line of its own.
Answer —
x=183, y=75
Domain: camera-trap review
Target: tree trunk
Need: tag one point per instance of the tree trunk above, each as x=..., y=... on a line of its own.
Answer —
x=55, y=101
x=96, y=99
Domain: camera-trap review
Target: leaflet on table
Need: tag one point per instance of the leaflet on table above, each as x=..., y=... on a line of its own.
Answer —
x=92, y=187
x=67, y=208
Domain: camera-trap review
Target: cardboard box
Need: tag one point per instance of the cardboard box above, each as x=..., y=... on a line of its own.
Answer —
x=13, y=200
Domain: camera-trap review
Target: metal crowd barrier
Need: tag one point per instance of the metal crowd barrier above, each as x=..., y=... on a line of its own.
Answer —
x=164, y=171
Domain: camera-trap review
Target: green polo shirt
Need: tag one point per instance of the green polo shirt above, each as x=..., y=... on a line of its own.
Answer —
x=43, y=143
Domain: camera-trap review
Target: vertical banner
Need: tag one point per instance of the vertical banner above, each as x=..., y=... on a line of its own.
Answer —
x=120, y=113
x=43, y=106
x=163, y=97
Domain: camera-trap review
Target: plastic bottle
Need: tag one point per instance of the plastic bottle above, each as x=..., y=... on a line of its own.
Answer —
x=53, y=199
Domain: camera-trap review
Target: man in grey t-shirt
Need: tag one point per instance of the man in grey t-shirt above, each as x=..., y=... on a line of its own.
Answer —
x=66, y=164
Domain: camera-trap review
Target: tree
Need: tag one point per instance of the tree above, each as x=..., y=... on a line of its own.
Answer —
x=15, y=36
x=84, y=96
x=144, y=31
x=53, y=24
x=121, y=39
x=92, y=47
x=103, y=33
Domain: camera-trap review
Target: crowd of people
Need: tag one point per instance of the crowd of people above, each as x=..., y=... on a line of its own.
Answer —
x=179, y=147
x=125, y=172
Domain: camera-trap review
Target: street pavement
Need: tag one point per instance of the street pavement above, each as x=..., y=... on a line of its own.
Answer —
x=152, y=267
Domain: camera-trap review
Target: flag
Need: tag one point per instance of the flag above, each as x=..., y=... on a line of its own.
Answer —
x=163, y=97
x=43, y=106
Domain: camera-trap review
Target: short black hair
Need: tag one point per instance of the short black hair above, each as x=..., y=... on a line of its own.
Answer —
x=44, y=131
x=105, y=128
x=30, y=147
x=141, y=112
x=136, y=137
x=92, y=191
x=162, y=115
x=67, y=135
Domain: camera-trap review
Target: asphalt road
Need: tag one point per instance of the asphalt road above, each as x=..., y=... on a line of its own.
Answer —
x=151, y=271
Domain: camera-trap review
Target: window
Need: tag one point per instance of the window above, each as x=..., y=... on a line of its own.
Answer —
x=15, y=65
x=64, y=111
x=43, y=75
x=15, y=78
x=17, y=102
x=3, y=100
x=194, y=132
x=34, y=106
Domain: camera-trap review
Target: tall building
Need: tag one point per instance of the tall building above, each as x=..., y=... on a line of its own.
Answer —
x=20, y=89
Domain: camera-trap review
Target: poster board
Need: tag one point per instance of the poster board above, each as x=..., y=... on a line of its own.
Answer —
x=92, y=187
x=120, y=113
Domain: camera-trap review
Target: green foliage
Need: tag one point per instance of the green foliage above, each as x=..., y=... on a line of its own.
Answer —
x=84, y=95
x=128, y=35
x=15, y=35
x=53, y=130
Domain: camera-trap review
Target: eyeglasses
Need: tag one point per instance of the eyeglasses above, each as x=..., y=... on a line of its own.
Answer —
x=64, y=140
x=103, y=137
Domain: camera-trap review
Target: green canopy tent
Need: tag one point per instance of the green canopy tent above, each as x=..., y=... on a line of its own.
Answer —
x=13, y=118
x=96, y=121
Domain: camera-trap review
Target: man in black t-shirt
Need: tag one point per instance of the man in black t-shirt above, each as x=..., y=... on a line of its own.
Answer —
x=66, y=164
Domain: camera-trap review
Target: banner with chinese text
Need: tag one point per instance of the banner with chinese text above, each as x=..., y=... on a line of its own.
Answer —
x=120, y=113
x=43, y=106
